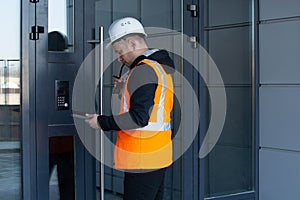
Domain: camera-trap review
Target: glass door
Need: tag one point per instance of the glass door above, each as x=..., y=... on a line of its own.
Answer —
x=70, y=166
x=229, y=169
x=61, y=67
x=10, y=101
x=164, y=26
x=177, y=26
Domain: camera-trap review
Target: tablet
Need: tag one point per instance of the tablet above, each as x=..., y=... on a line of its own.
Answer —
x=79, y=114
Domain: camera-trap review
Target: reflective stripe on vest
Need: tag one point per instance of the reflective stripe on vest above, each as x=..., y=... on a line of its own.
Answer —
x=160, y=124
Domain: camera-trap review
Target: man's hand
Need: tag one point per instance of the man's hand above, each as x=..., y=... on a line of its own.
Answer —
x=118, y=86
x=92, y=120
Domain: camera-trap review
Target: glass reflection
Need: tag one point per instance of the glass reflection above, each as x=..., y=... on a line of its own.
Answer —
x=61, y=168
x=229, y=167
x=10, y=107
x=61, y=25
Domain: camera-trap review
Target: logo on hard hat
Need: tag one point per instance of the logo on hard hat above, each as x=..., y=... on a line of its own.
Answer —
x=123, y=24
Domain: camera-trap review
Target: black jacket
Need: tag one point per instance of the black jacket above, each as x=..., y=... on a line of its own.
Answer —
x=141, y=86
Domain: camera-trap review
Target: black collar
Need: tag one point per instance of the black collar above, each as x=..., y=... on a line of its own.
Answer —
x=136, y=61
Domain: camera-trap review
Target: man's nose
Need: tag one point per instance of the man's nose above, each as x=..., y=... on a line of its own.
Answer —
x=120, y=59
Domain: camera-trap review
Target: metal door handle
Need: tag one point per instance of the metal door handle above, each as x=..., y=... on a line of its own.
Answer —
x=101, y=63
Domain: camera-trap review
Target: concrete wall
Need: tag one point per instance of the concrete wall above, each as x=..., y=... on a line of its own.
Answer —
x=279, y=98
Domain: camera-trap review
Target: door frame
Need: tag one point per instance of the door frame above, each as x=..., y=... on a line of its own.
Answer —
x=28, y=102
x=35, y=106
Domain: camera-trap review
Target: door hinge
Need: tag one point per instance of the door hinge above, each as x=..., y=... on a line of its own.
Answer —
x=193, y=40
x=194, y=10
x=34, y=1
x=35, y=32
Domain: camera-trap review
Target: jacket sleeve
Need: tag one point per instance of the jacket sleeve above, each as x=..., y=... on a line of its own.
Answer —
x=142, y=85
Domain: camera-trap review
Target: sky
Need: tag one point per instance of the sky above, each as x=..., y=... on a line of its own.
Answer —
x=10, y=25
x=10, y=29
x=57, y=12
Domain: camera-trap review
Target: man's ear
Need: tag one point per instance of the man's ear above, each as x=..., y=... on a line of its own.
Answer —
x=132, y=43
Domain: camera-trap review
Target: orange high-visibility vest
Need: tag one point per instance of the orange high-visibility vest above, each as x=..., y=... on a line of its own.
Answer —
x=149, y=147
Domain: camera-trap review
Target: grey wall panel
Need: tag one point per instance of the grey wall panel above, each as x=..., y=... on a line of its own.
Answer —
x=132, y=8
x=229, y=170
x=271, y=9
x=157, y=16
x=109, y=151
x=107, y=181
x=118, y=184
x=177, y=10
x=237, y=128
x=230, y=49
x=280, y=52
x=279, y=175
x=173, y=180
x=118, y=173
x=279, y=117
x=103, y=16
x=176, y=195
x=177, y=176
x=227, y=12
x=107, y=100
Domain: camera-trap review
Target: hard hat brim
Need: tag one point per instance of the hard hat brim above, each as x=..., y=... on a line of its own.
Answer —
x=109, y=43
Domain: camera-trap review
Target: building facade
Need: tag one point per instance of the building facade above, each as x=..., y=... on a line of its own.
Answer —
x=235, y=118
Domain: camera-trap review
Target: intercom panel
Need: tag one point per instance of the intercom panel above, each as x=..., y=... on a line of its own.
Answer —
x=62, y=95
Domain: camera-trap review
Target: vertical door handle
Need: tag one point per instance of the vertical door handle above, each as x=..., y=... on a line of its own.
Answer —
x=101, y=63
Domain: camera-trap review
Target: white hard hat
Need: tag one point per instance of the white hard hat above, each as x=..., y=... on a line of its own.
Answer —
x=123, y=27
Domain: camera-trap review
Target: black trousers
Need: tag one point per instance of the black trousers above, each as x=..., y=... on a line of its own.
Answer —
x=65, y=174
x=144, y=186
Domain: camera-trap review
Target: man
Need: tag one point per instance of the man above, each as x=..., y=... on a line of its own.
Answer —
x=143, y=146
